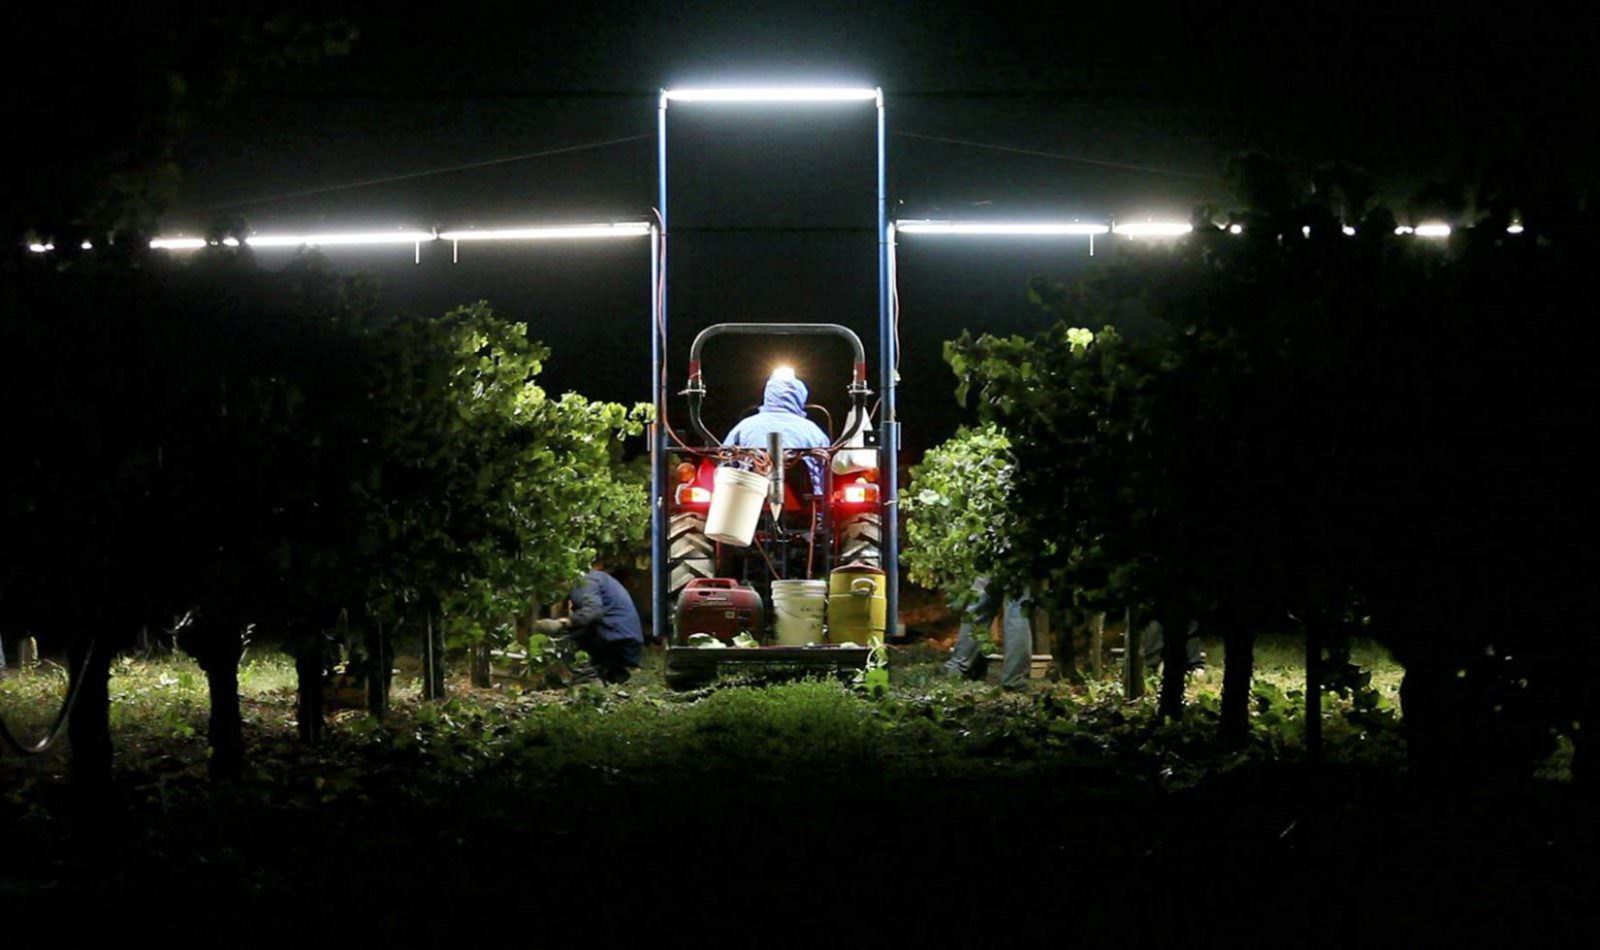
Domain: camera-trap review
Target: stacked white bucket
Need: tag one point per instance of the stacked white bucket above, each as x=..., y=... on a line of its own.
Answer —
x=798, y=608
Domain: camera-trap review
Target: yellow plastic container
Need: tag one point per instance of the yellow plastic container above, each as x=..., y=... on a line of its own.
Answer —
x=858, y=606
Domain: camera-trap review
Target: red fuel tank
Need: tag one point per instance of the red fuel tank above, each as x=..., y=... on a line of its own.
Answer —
x=720, y=606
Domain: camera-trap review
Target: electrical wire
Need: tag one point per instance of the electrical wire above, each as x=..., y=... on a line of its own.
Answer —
x=1099, y=163
x=661, y=331
x=8, y=739
x=811, y=538
x=771, y=571
x=408, y=176
x=894, y=305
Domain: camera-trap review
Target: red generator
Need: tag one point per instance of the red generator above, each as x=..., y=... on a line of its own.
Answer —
x=720, y=606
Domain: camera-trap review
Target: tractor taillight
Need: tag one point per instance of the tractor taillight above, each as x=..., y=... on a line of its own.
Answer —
x=858, y=492
x=693, y=495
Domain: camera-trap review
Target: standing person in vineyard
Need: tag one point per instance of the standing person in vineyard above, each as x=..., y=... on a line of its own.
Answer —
x=967, y=659
x=1154, y=641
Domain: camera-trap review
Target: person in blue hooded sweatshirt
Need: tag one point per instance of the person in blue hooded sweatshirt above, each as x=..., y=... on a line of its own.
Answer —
x=783, y=410
x=604, y=624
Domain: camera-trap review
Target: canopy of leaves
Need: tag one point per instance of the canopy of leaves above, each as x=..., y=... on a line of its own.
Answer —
x=1369, y=431
x=269, y=449
x=959, y=520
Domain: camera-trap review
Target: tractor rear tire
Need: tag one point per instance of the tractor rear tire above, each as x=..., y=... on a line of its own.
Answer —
x=861, y=540
x=690, y=554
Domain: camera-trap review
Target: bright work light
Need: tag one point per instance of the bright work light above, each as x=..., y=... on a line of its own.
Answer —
x=530, y=233
x=773, y=94
x=1425, y=230
x=785, y=373
x=998, y=228
x=1152, y=229
x=629, y=229
x=1514, y=229
x=339, y=239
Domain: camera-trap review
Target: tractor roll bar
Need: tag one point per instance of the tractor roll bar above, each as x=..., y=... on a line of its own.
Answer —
x=695, y=390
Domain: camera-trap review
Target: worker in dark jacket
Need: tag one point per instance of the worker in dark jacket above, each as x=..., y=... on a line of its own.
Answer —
x=605, y=624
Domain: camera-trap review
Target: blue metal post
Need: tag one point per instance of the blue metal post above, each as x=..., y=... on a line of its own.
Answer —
x=889, y=449
x=658, y=390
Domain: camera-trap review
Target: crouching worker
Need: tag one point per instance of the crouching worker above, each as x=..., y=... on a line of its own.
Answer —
x=604, y=624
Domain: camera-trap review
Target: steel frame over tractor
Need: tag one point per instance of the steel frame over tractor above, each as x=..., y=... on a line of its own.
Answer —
x=850, y=523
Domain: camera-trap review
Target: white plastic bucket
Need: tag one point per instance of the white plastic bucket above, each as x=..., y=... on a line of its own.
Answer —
x=736, y=500
x=798, y=608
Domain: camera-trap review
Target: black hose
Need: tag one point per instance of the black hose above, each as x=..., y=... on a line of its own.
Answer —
x=43, y=745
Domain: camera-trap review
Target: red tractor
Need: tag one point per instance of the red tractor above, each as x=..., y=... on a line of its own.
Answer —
x=802, y=533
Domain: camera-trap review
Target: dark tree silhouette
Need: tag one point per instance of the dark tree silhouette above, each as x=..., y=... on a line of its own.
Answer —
x=1376, y=433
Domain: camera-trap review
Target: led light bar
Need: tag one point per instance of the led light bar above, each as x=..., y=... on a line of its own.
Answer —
x=1153, y=229
x=626, y=229
x=1425, y=230
x=554, y=232
x=338, y=239
x=773, y=94
x=999, y=228
x=39, y=248
x=1515, y=229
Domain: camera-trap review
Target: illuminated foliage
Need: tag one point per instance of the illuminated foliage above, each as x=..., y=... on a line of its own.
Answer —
x=959, y=516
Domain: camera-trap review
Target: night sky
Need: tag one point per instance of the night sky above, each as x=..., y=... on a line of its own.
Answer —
x=1132, y=111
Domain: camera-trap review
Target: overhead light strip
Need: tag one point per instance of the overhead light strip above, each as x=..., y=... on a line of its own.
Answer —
x=642, y=229
x=629, y=229
x=773, y=94
x=999, y=228
x=381, y=238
